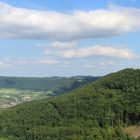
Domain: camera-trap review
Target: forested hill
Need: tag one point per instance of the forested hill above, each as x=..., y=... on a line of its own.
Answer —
x=54, y=84
x=98, y=111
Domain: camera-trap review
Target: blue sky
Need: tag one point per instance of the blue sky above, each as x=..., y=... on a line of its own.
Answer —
x=68, y=37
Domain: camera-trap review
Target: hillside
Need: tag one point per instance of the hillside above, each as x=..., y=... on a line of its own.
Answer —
x=55, y=84
x=97, y=111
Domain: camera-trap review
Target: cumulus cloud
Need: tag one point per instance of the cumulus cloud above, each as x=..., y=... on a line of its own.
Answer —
x=59, y=44
x=98, y=50
x=34, y=24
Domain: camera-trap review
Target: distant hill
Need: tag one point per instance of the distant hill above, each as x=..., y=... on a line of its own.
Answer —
x=16, y=90
x=97, y=111
x=55, y=84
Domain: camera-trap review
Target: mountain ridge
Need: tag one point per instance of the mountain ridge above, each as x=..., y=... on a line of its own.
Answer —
x=42, y=83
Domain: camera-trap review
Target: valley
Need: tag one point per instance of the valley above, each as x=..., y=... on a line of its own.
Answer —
x=16, y=90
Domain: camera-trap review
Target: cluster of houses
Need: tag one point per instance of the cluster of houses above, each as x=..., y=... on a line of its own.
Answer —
x=8, y=105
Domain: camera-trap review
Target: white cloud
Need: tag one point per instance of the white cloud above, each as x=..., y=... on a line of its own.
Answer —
x=49, y=62
x=106, y=63
x=59, y=44
x=98, y=50
x=35, y=24
x=65, y=64
x=4, y=65
x=41, y=61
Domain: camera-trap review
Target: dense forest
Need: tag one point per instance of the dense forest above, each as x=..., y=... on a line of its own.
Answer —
x=100, y=110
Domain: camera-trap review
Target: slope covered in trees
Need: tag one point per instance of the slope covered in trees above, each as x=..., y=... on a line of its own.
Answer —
x=97, y=111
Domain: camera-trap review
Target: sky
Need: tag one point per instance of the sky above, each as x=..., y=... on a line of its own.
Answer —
x=43, y=38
